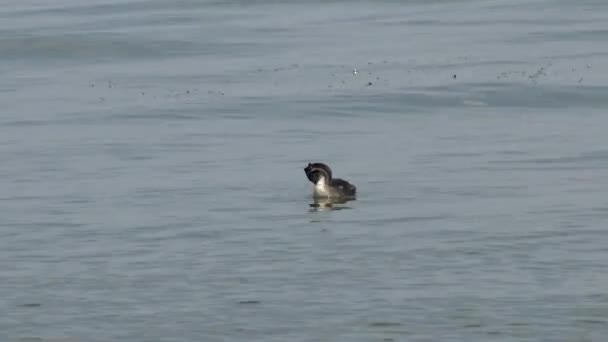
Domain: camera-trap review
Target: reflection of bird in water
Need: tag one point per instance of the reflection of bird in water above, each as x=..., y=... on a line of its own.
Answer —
x=328, y=190
x=328, y=204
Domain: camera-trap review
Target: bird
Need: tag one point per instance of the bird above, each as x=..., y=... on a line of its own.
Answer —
x=325, y=186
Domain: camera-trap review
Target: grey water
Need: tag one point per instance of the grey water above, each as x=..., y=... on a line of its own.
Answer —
x=152, y=184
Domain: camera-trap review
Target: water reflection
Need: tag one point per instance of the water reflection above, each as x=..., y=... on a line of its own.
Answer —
x=320, y=204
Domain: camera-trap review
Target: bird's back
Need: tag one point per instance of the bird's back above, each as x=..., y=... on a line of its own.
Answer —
x=343, y=187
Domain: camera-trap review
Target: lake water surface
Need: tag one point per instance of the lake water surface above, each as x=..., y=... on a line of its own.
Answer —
x=152, y=184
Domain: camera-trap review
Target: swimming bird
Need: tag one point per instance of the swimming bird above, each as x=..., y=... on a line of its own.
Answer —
x=325, y=185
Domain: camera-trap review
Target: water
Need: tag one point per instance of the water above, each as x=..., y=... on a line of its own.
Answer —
x=152, y=184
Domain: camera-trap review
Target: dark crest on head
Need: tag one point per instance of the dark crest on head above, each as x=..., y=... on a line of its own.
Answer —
x=314, y=171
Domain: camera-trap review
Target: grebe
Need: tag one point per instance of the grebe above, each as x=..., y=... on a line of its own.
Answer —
x=327, y=187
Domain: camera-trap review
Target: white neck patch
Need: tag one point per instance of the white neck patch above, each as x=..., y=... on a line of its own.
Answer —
x=321, y=188
x=320, y=181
